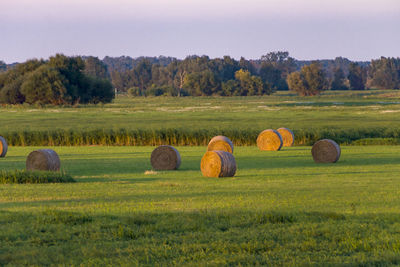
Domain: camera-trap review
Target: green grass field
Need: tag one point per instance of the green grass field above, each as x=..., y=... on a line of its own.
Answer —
x=338, y=110
x=280, y=209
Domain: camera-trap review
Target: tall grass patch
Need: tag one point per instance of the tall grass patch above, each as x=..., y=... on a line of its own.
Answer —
x=190, y=137
x=34, y=177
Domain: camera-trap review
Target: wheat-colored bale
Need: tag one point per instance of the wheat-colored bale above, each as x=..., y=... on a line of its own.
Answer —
x=287, y=136
x=165, y=158
x=3, y=147
x=218, y=164
x=220, y=143
x=326, y=151
x=43, y=160
x=269, y=140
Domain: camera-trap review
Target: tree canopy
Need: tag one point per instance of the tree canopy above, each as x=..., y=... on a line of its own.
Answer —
x=59, y=80
x=310, y=80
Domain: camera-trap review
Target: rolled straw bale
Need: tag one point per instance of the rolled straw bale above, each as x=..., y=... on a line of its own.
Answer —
x=270, y=140
x=287, y=136
x=221, y=143
x=165, y=158
x=218, y=163
x=3, y=147
x=43, y=160
x=325, y=151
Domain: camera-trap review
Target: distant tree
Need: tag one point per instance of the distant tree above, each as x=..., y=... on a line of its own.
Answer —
x=3, y=66
x=202, y=83
x=96, y=68
x=44, y=86
x=72, y=69
x=11, y=81
x=385, y=73
x=230, y=88
x=11, y=92
x=60, y=80
x=339, y=80
x=119, y=81
x=100, y=90
x=250, y=84
x=275, y=68
x=357, y=77
x=310, y=80
x=245, y=64
x=140, y=76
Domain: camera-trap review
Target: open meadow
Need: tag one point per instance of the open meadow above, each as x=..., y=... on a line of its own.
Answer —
x=281, y=208
x=343, y=116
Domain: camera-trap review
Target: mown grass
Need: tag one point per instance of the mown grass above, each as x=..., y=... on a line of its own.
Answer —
x=280, y=209
x=345, y=117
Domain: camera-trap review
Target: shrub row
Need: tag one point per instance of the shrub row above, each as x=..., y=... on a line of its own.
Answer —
x=184, y=137
x=36, y=177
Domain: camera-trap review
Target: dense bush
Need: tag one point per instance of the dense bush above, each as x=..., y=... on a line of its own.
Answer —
x=59, y=81
x=37, y=177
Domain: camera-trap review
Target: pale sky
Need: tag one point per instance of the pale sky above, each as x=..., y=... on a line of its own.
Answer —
x=308, y=29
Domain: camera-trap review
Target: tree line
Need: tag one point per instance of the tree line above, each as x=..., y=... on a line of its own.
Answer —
x=68, y=80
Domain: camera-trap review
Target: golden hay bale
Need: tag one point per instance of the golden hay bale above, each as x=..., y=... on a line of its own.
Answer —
x=3, y=147
x=287, y=136
x=218, y=164
x=43, y=160
x=165, y=158
x=325, y=151
x=221, y=143
x=270, y=140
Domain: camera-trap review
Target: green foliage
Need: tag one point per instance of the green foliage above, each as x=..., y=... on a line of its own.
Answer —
x=59, y=81
x=309, y=81
x=357, y=77
x=385, y=73
x=94, y=67
x=3, y=66
x=201, y=83
x=36, y=177
x=275, y=68
x=45, y=85
x=339, y=80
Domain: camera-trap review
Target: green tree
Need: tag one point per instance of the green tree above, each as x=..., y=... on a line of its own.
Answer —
x=250, y=84
x=357, y=77
x=3, y=66
x=75, y=83
x=310, y=80
x=44, y=86
x=339, y=80
x=202, y=83
x=385, y=73
x=96, y=68
x=11, y=92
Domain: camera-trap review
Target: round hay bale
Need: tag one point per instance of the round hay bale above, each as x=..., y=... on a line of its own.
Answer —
x=165, y=158
x=269, y=140
x=43, y=160
x=287, y=136
x=325, y=151
x=218, y=164
x=3, y=147
x=220, y=143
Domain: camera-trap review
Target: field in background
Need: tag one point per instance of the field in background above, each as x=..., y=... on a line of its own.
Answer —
x=348, y=117
x=281, y=208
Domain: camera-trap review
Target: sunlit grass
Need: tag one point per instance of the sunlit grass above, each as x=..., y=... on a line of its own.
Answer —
x=280, y=209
